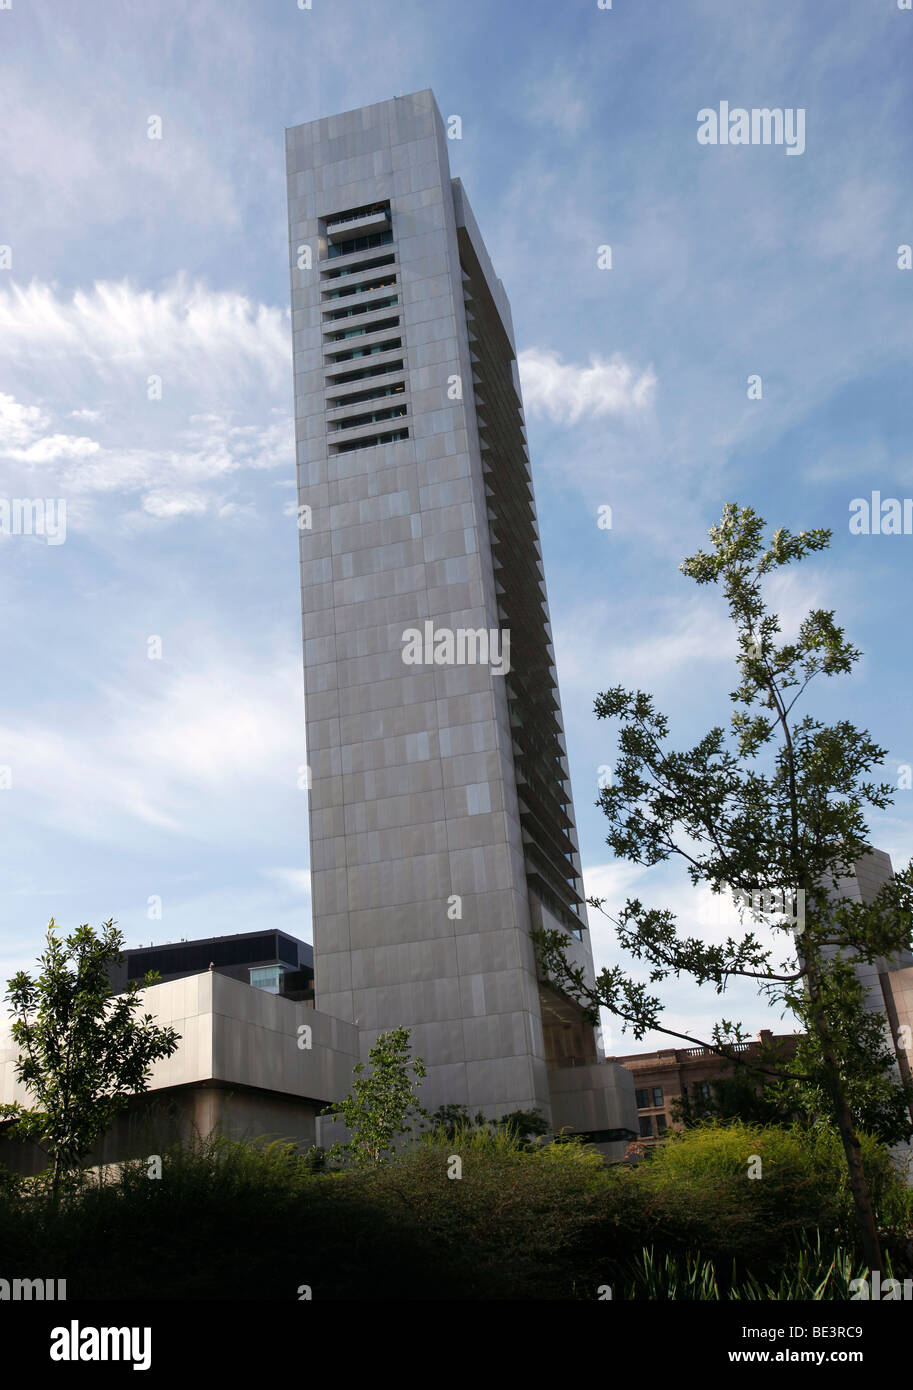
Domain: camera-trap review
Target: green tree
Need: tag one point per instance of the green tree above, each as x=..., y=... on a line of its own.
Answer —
x=452, y=1120
x=878, y=1104
x=382, y=1105
x=772, y=814
x=83, y=1052
x=737, y=1094
x=528, y=1127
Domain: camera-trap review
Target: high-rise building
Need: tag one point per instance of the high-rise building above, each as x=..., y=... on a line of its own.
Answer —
x=441, y=821
x=887, y=982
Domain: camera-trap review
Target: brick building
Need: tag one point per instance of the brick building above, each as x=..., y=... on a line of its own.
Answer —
x=664, y=1076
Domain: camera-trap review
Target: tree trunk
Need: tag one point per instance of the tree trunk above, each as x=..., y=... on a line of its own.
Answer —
x=865, y=1216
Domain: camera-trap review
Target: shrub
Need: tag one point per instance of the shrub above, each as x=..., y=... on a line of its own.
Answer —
x=257, y=1220
x=696, y=1193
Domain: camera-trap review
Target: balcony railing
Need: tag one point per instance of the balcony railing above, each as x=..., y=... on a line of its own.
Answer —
x=358, y=215
x=709, y=1051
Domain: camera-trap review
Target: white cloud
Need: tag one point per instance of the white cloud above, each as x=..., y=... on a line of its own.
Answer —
x=171, y=478
x=79, y=786
x=672, y=640
x=567, y=392
x=296, y=880
x=20, y=424
x=167, y=505
x=24, y=437
x=686, y=1008
x=208, y=749
x=792, y=595
x=561, y=103
x=54, y=448
x=73, y=160
x=227, y=509
x=684, y=635
x=225, y=405
x=185, y=333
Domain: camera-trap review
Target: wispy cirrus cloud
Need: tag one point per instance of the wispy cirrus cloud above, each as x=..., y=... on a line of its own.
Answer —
x=198, y=336
x=182, y=388
x=166, y=757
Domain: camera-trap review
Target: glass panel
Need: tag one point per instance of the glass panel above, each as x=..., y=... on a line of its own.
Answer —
x=267, y=978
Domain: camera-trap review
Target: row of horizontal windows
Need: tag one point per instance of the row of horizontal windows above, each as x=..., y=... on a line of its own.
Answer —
x=374, y=417
x=556, y=907
x=363, y=331
x=374, y=284
x=365, y=283
x=359, y=269
x=550, y=871
x=376, y=394
x=352, y=353
x=359, y=243
x=363, y=308
x=392, y=438
x=194, y=956
x=333, y=219
x=340, y=378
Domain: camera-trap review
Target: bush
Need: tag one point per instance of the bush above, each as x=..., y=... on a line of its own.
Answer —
x=694, y=1192
x=510, y=1224
x=258, y=1220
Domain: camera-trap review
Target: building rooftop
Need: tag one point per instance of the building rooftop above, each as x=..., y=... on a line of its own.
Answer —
x=269, y=959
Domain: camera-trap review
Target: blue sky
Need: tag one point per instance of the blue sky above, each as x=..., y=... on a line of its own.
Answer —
x=177, y=778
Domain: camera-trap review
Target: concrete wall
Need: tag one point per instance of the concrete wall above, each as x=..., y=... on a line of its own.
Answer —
x=596, y=1097
x=238, y=1066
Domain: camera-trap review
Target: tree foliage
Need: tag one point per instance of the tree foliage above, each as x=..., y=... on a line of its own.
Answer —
x=83, y=1051
x=382, y=1104
x=773, y=813
x=527, y=1127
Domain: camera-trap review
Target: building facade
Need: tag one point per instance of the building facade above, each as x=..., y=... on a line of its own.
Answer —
x=254, y=1058
x=441, y=819
x=674, y=1073
x=888, y=981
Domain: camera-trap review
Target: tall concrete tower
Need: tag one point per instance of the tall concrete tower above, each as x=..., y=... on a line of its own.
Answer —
x=441, y=822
